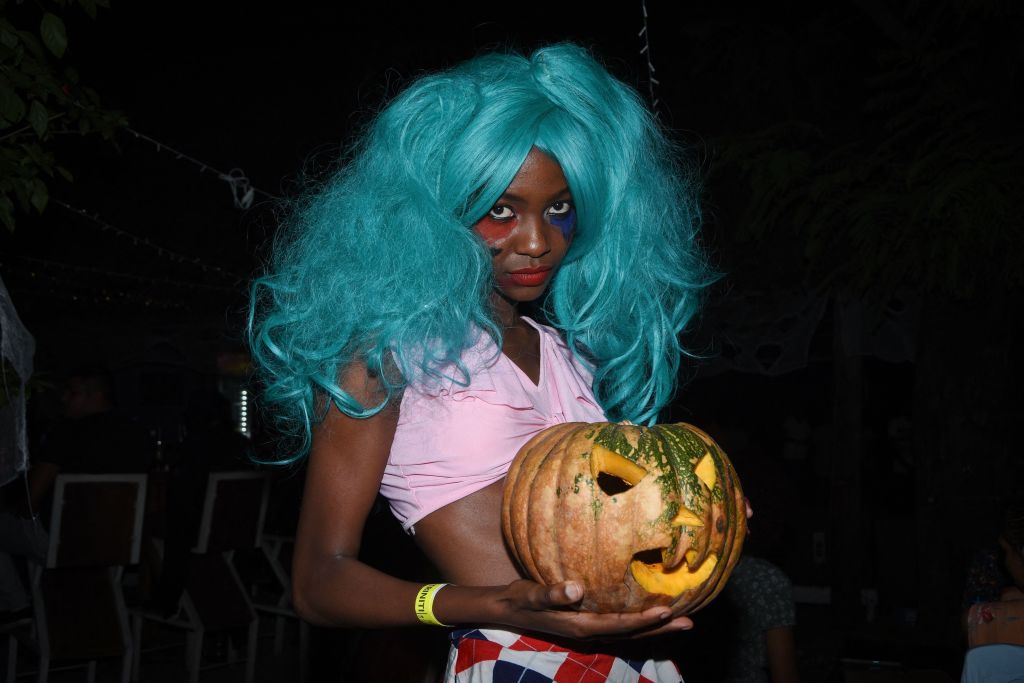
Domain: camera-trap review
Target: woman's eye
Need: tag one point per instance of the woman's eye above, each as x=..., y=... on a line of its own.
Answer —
x=501, y=213
x=560, y=208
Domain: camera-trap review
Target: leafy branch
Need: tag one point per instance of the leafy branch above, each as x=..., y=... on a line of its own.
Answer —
x=12, y=386
x=41, y=97
x=923, y=184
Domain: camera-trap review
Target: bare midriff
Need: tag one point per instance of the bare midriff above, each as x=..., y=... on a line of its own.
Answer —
x=464, y=540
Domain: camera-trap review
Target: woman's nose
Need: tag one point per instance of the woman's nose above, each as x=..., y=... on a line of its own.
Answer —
x=532, y=237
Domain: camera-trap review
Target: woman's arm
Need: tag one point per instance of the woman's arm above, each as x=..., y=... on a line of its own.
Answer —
x=346, y=464
x=332, y=587
x=780, y=647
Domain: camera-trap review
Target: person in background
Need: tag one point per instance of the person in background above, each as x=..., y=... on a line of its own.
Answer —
x=996, y=571
x=763, y=647
x=994, y=605
x=92, y=438
x=748, y=634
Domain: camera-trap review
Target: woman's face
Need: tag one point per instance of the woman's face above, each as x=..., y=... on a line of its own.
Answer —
x=529, y=229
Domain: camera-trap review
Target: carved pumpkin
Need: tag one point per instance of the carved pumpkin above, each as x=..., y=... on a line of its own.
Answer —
x=641, y=516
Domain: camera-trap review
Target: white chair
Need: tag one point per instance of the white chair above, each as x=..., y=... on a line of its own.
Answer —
x=214, y=597
x=280, y=604
x=78, y=607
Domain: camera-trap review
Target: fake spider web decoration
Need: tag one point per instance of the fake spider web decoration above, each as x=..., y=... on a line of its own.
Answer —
x=16, y=350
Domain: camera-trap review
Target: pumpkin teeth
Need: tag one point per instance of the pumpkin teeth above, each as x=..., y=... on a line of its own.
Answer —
x=687, y=518
x=610, y=462
x=705, y=471
x=654, y=579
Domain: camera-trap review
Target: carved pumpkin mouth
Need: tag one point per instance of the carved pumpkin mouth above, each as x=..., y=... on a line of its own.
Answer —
x=652, y=576
x=615, y=474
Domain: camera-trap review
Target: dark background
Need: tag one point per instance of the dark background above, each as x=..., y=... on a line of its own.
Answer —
x=877, y=450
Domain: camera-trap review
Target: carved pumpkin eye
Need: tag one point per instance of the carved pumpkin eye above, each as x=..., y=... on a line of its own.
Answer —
x=705, y=471
x=614, y=473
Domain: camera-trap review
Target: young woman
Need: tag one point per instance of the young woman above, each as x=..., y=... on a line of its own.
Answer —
x=391, y=345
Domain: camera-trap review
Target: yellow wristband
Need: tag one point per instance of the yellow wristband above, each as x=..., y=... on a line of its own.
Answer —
x=425, y=604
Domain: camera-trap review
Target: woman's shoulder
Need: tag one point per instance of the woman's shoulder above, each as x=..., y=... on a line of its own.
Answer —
x=480, y=373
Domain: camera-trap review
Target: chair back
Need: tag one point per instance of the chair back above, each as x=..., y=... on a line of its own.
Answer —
x=96, y=520
x=233, y=511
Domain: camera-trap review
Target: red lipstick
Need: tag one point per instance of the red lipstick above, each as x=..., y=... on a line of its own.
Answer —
x=528, y=277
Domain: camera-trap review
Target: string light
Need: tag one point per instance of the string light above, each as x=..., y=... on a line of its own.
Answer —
x=646, y=52
x=137, y=241
x=71, y=288
x=242, y=191
x=63, y=295
x=243, y=408
x=128, y=276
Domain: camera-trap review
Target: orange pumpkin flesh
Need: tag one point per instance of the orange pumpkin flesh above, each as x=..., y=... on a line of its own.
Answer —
x=654, y=579
x=595, y=502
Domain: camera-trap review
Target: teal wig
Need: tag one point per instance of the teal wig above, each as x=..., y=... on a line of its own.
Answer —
x=381, y=266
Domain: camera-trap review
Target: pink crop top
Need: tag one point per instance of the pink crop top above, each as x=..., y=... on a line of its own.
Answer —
x=453, y=441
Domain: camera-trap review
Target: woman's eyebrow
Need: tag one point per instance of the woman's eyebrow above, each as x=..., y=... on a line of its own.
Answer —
x=513, y=197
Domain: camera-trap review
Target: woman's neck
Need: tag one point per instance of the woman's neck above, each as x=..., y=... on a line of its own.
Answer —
x=506, y=312
x=520, y=341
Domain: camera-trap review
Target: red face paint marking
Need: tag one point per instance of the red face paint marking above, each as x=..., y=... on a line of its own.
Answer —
x=493, y=230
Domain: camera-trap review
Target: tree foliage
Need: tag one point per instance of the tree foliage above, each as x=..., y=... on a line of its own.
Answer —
x=41, y=97
x=920, y=181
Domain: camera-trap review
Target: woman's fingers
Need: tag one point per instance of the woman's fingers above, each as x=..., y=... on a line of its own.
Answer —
x=564, y=594
x=654, y=621
x=549, y=609
x=624, y=624
x=555, y=596
x=677, y=624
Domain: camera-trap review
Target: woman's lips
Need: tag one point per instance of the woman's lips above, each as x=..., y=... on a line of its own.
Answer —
x=527, y=277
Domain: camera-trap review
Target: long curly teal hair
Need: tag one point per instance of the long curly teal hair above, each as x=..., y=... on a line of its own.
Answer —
x=381, y=266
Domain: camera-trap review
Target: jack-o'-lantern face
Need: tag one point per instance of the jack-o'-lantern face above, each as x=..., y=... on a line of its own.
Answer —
x=642, y=516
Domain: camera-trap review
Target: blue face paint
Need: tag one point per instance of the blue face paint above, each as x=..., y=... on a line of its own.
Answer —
x=566, y=222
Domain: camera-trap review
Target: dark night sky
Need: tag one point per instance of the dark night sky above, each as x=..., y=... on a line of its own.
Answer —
x=273, y=92
x=276, y=91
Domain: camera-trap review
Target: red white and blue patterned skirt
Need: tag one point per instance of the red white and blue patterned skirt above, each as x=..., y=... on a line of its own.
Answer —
x=498, y=656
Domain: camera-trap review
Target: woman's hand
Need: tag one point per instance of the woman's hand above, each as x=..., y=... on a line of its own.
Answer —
x=530, y=606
